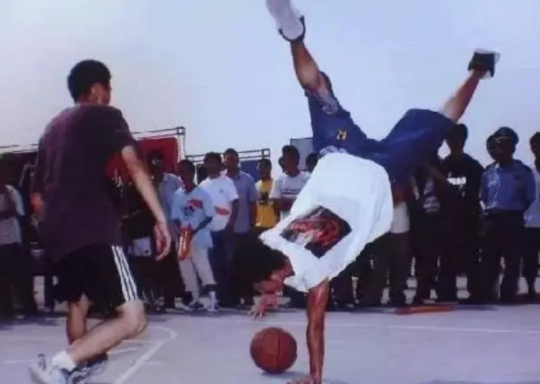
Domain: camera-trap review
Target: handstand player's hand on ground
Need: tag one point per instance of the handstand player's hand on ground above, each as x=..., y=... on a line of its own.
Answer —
x=266, y=301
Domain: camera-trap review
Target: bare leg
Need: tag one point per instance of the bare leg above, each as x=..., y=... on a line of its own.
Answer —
x=76, y=326
x=291, y=26
x=455, y=107
x=130, y=322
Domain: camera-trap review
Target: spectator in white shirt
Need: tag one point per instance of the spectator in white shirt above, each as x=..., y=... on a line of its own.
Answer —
x=289, y=184
x=284, y=191
x=224, y=195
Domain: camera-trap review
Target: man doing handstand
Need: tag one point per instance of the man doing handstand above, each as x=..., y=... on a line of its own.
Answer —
x=347, y=203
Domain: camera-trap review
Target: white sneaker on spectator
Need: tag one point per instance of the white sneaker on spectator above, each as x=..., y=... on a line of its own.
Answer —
x=196, y=305
x=212, y=304
x=183, y=307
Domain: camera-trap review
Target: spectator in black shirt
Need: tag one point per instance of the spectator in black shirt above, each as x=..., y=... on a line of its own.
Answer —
x=461, y=209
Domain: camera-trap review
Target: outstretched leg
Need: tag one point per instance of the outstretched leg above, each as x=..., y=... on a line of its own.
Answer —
x=420, y=133
x=291, y=26
x=482, y=65
x=332, y=125
x=455, y=106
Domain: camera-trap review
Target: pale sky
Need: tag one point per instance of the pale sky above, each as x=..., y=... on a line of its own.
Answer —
x=219, y=68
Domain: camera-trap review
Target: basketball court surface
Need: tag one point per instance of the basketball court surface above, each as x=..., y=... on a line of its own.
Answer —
x=487, y=345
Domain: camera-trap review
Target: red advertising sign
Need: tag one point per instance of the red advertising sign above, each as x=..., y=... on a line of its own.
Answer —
x=167, y=146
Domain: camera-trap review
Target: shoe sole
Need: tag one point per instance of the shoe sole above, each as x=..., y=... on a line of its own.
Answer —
x=36, y=374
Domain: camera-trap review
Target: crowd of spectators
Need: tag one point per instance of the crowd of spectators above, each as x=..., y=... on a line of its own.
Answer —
x=456, y=219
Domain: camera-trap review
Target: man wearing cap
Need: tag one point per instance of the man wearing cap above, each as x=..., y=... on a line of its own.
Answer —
x=507, y=190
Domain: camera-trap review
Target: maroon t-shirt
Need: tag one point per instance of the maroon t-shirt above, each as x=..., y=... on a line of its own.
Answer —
x=72, y=156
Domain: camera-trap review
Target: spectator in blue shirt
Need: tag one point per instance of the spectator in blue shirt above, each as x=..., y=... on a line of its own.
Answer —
x=507, y=184
x=193, y=209
x=507, y=190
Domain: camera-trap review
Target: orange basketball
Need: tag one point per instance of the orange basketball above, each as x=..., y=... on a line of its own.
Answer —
x=273, y=350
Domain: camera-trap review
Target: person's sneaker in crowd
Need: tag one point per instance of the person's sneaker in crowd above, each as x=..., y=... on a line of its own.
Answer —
x=182, y=307
x=196, y=305
x=290, y=23
x=212, y=306
x=42, y=373
x=484, y=61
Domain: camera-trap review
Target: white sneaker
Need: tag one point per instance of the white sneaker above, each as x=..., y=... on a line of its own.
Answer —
x=212, y=306
x=41, y=373
x=290, y=23
x=196, y=305
x=183, y=307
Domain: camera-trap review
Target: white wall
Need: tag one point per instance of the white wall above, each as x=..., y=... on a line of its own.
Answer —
x=218, y=67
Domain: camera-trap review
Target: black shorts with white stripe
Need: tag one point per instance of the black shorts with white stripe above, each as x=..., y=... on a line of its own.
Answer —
x=100, y=272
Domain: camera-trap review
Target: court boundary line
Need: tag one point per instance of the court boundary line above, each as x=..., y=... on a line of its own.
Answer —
x=431, y=328
x=16, y=338
x=145, y=357
x=111, y=353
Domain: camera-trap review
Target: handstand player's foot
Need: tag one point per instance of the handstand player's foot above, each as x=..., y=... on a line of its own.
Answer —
x=289, y=21
x=484, y=61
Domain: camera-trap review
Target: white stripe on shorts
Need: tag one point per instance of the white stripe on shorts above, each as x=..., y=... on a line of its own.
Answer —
x=129, y=289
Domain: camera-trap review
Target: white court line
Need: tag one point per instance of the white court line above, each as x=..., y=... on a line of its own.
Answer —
x=30, y=361
x=15, y=338
x=144, y=358
x=434, y=328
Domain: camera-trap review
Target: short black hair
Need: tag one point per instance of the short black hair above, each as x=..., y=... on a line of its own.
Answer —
x=155, y=154
x=535, y=138
x=291, y=151
x=507, y=133
x=265, y=161
x=201, y=173
x=84, y=75
x=312, y=159
x=260, y=260
x=459, y=130
x=213, y=156
x=231, y=151
x=188, y=164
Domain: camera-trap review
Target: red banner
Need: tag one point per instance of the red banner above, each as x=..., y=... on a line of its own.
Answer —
x=167, y=146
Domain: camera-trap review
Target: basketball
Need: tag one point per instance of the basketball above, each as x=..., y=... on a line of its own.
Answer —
x=273, y=350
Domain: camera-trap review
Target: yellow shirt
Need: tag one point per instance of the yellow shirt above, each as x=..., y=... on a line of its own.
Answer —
x=266, y=216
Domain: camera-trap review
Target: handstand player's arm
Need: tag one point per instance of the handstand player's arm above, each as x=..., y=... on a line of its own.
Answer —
x=317, y=299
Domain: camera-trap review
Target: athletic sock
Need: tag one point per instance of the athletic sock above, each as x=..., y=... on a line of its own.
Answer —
x=64, y=361
x=287, y=17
